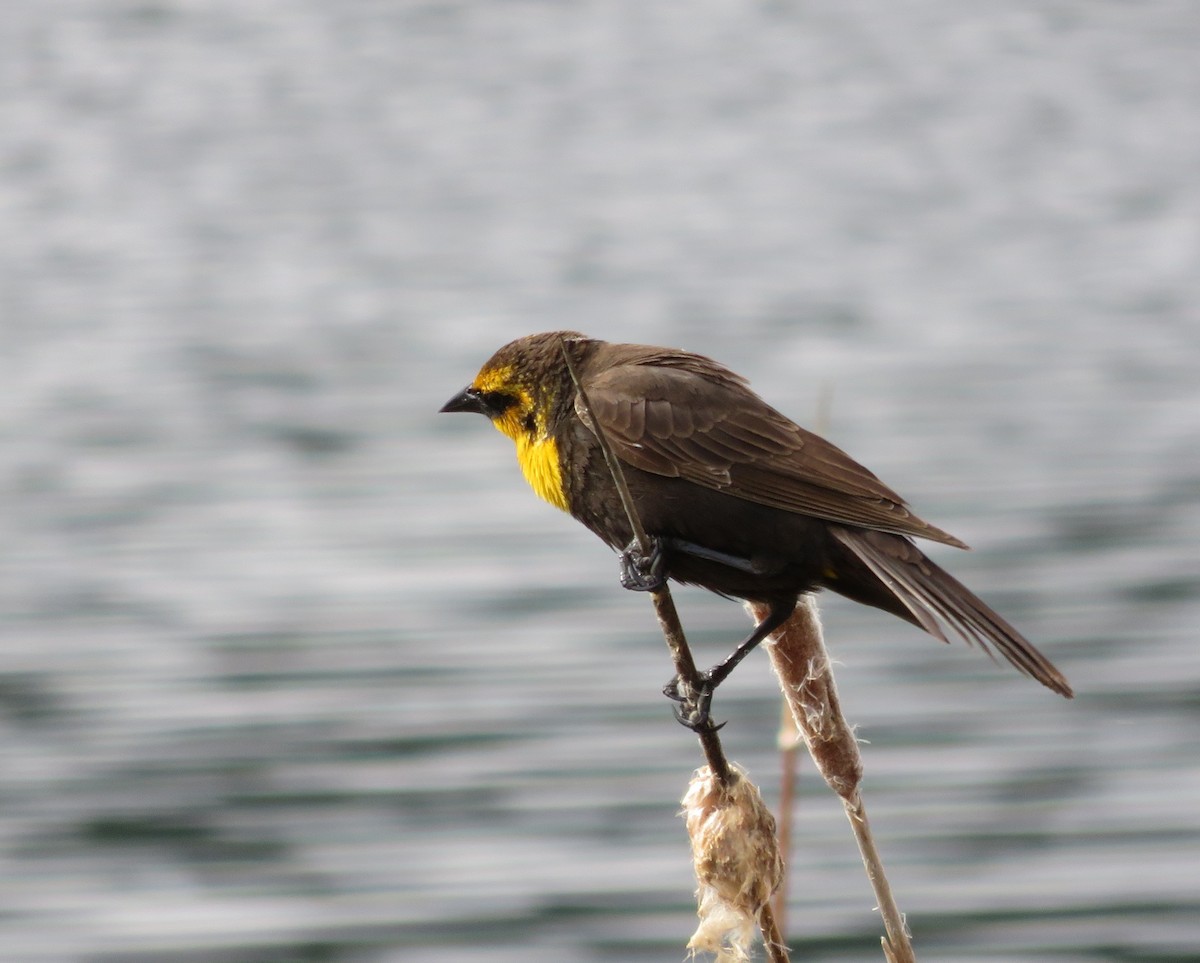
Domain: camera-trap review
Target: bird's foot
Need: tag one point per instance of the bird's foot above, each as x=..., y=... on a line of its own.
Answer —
x=643, y=572
x=694, y=703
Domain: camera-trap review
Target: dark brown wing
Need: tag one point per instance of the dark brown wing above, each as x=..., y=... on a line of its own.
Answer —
x=685, y=416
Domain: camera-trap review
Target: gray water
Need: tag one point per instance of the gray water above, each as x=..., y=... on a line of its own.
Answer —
x=294, y=669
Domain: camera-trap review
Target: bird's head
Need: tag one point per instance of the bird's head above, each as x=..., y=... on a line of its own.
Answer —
x=520, y=385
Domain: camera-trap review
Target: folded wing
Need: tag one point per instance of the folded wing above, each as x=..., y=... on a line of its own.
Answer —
x=685, y=416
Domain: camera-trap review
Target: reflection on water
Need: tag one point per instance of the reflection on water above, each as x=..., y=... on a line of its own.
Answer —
x=294, y=669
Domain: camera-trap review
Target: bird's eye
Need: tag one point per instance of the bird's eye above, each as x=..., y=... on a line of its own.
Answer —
x=497, y=402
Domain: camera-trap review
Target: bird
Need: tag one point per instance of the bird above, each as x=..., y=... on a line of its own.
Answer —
x=734, y=496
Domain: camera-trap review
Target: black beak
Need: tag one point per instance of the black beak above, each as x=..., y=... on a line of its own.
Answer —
x=466, y=400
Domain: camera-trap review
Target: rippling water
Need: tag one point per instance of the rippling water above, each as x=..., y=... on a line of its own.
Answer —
x=295, y=669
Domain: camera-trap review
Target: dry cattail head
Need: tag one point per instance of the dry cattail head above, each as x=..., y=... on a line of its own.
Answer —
x=737, y=861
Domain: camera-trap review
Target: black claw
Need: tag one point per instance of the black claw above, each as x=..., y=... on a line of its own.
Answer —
x=694, y=708
x=698, y=722
x=643, y=573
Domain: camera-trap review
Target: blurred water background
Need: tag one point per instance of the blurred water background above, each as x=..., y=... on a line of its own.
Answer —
x=294, y=669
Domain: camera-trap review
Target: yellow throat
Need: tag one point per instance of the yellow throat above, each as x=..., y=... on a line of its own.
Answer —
x=538, y=458
x=537, y=451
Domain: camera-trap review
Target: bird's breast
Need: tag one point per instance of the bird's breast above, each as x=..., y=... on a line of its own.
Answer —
x=540, y=464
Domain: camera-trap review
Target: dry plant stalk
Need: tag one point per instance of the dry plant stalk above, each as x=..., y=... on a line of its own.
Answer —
x=789, y=742
x=724, y=784
x=798, y=655
x=737, y=862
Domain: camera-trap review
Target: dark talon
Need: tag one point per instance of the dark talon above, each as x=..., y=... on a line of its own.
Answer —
x=693, y=710
x=694, y=706
x=697, y=724
x=643, y=573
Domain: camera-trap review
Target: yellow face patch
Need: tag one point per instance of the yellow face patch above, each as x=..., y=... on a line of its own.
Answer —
x=537, y=451
x=495, y=379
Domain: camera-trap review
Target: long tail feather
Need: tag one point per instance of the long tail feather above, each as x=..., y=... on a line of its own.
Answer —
x=934, y=598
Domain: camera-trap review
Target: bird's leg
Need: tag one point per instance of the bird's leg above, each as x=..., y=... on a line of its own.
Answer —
x=643, y=572
x=754, y=566
x=694, y=707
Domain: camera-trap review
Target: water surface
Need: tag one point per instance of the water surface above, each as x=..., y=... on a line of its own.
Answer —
x=295, y=669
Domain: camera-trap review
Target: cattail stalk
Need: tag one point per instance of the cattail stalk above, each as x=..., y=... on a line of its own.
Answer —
x=798, y=655
x=735, y=854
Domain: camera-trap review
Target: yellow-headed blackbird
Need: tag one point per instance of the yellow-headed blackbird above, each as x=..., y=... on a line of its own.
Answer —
x=737, y=497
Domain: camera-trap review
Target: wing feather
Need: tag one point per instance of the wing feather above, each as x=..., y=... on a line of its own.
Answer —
x=685, y=416
x=934, y=596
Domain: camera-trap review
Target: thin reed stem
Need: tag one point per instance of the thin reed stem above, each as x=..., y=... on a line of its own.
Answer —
x=789, y=742
x=772, y=936
x=798, y=655
x=685, y=668
x=897, y=944
x=664, y=604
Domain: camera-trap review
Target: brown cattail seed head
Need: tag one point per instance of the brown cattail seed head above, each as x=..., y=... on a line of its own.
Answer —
x=737, y=861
